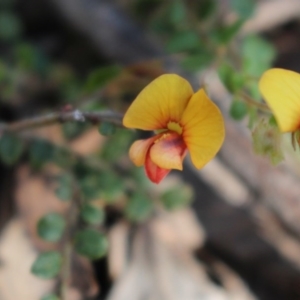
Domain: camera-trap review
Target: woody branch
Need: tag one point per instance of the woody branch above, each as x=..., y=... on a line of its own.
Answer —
x=61, y=117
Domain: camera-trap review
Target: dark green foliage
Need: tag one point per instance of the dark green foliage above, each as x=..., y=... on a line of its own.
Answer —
x=51, y=227
x=40, y=152
x=11, y=148
x=98, y=78
x=74, y=129
x=232, y=80
x=117, y=145
x=197, y=61
x=107, y=128
x=238, y=109
x=64, y=190
x=257, y=55
x=177, y=12
x=139, y=207
x=99, y=184
x=63, y=158
x=25, y=56
x=30, y=59
x=176, y=197
x=10, y=26
x=272, y=121
x=47, y=265
x=183, y=41
x=170, y=18
x=90, y=185
x=91, y=243
x=224, y=35
x=92, y=215
x=205, y=8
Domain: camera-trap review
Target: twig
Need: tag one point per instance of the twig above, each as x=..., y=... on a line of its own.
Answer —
x=61, y=117
x=252, y=102
x=66, y=270
x=72, y=220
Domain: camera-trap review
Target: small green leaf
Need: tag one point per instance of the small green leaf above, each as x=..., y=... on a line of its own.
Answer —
x=73, y=130
x=238, y=109
x=223, y=35
x=91, y=243
x=198, y=61
x=29, y=58
x=112, y=186
x=10, y=26
x=106, y=185
x=70, y=86
x=64, y=190
x=40, y=152
x=107, y=128
x=91, y=188
x=272, y=121
x=51, y=227
x=25, y=56
x=177, y=12
x=92, y=215
x=101, y=77
x=183, y=41
x=3, y=72
x=117, y=145
x=62, y=157
x=11, y=148
x=232, y=80
x=139, y=176
x=177, y=197
x=205, y=8
x=245, y=8
x=258, y=55
x=139, y=207
x=50, y=297
x=47, y=265
x=71, y=90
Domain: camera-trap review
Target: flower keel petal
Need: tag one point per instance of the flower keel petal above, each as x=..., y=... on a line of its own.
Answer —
x=139, y=149
x=154, y=172
x=203, y=129
x=168, y=151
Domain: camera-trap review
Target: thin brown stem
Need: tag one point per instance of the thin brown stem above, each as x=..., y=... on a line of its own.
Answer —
x=66, y=270
x=61, y=117
x=254, y=103
x=72, y=219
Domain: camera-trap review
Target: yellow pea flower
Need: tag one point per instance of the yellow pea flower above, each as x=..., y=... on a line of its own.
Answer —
x=183, y=120
x=281, y=90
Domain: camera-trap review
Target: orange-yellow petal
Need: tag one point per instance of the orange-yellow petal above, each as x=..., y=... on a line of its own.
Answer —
x=168, y=151
x=139, y=149
x=281, y=90
x=203, y=129
x=161, y=101
x=154, y=172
